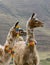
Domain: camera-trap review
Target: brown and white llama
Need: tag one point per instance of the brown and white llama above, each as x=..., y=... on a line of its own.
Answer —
x=6, y=50
x=26, y=52
x=31, y=55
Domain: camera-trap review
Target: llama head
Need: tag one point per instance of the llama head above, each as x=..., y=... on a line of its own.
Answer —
x=34, y=22
x=16, y=30
x=20, y=30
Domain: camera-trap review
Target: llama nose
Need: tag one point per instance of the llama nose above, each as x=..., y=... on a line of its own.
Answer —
x=42, y=22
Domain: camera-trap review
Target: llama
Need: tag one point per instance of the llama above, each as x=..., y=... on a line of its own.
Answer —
x=31, y=55
x=25, y=52
x=6, y=50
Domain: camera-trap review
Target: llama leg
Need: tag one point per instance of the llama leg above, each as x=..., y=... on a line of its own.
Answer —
x=35, y=61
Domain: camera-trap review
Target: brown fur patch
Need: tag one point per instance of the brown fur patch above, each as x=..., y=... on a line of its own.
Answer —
x=1, y=52
x=13, y=32
x=11, y=39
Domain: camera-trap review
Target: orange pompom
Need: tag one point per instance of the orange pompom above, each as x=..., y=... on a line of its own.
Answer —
x=31, y=43
x=9, y=51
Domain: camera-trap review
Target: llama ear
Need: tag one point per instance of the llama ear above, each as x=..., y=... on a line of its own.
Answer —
x=32, y=15
x=16, y=24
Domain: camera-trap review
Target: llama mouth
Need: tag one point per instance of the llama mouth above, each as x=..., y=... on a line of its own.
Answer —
x=42, y=25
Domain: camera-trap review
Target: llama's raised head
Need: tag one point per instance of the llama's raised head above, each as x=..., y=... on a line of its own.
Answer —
x=34, y=22
x=15, y=30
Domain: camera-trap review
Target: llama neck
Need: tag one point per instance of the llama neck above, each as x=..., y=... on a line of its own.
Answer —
x=10, y=40
x=10, y=43
x=30, y=35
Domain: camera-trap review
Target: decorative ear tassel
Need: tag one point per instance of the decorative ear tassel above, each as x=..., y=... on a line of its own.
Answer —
x=32, y=15
x=17, y=29
x=18, y=35
x=16, y=24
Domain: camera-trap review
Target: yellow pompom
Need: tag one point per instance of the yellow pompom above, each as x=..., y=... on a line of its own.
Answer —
x=12, y=55
x=17, y=35
x=17, y=26
x=7, y=47
x=12, y=49
x=28, y=44
x=31, y=43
